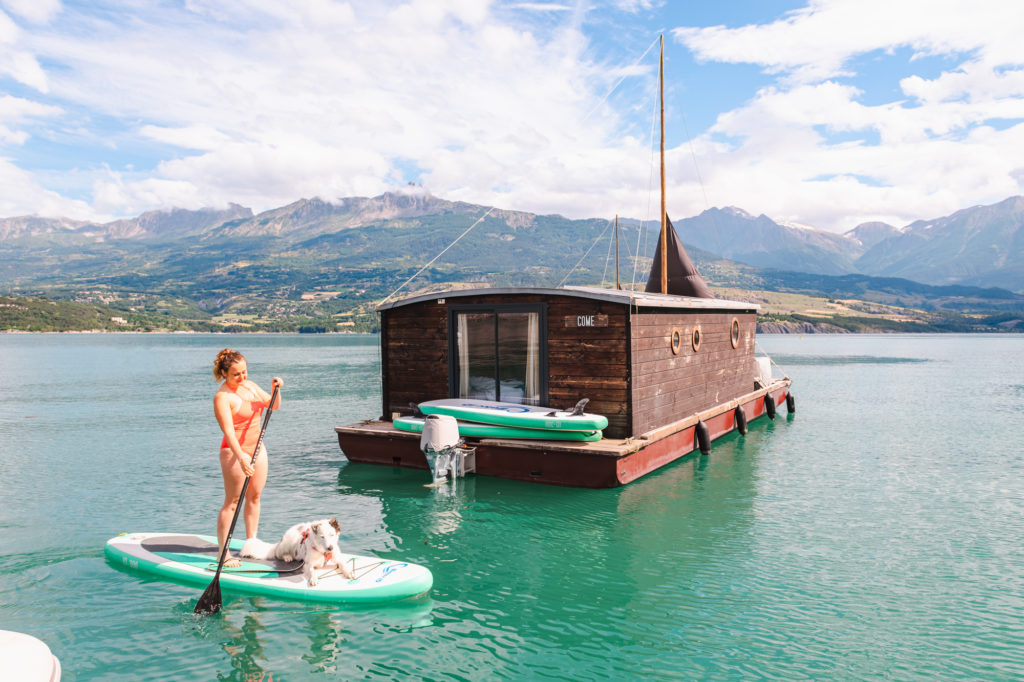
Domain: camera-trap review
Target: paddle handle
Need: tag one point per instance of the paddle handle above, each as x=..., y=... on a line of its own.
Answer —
x=241, y=496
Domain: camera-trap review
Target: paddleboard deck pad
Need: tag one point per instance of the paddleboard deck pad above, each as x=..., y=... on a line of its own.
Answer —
x=476, y=430
x=192, y=559
x=514, y=414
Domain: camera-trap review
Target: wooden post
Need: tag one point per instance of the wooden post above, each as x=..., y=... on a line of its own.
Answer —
x=664, y=213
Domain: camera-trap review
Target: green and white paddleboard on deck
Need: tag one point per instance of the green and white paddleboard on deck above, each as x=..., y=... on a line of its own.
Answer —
x=192, y=559
x=514, y=414
x=476, y=430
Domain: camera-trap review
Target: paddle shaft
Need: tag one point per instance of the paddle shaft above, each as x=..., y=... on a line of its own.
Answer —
x=234, y=519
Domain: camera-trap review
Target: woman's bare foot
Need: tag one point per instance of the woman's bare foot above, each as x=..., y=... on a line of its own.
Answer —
x=232, y=563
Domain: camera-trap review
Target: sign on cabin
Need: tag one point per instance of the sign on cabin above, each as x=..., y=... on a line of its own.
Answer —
x=586, y=321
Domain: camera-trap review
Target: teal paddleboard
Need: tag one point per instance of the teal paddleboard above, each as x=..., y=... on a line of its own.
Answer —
x=475, y=430
x=514, y=414
x=192, y=559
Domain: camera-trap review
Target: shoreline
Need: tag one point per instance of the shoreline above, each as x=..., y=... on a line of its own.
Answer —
x=772, y=329
x=179, y=332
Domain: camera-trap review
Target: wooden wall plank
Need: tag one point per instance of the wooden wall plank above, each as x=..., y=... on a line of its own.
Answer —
x=667, y=386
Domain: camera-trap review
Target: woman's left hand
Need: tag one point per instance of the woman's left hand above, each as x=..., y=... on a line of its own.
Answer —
x=276, y=383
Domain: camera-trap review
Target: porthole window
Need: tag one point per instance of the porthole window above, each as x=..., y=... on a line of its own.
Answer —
x=695, y=340
x=735, y=338
x=676, y=342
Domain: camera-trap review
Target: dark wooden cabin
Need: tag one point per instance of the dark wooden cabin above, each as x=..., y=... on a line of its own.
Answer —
x=643, y=360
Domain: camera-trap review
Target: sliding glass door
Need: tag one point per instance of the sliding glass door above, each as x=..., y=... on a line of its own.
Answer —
x=499, y=353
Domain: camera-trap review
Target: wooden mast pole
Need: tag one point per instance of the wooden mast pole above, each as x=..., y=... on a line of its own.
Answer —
x=664, y=213
x=618, y=285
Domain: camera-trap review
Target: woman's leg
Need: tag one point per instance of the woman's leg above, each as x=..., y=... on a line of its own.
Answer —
x=252, y=495
x=234, y=478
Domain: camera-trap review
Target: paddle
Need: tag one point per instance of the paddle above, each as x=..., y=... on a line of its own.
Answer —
x=210, y=601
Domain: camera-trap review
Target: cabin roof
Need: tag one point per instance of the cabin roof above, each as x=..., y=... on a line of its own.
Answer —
x=638, y=298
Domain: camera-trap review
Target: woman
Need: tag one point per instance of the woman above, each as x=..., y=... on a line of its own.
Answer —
x=237, y=405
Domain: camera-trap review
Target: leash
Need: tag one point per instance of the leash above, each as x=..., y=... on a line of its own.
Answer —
x=268, y=569
x=368, y=567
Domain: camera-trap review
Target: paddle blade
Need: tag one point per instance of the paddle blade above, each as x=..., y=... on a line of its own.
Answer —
x=209, y=603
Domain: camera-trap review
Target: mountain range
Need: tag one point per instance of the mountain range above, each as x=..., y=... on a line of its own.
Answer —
x=317, y=257
x=980, y=246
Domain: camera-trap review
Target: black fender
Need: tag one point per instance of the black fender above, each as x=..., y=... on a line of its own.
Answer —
x=703, y=438
x=769, y=405
x=740, y=418
x=790, y=403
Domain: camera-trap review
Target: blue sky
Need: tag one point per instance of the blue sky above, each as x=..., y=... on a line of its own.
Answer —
x=823, y=112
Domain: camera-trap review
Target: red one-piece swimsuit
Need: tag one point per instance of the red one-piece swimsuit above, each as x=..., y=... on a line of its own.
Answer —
x=242, y=420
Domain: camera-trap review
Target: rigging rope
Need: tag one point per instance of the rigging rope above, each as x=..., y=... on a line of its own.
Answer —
x=592, y=245
x=607, y=259
x=642, y=231
x=479, y=220
x=703, y=189
x=759, y=347
x=619, y=82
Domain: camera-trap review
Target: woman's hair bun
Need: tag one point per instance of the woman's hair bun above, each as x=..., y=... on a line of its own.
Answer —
x=225, y=359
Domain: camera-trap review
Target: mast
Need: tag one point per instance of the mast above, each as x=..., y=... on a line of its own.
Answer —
x=617, y=284
x=664, y=213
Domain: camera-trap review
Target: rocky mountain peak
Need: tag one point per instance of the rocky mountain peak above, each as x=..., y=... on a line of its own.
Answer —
x=175, y=222
x=870, y=233
x=33, y=225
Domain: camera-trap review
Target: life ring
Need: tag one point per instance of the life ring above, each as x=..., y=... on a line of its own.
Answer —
x=703, y=438
x=740, y=418
x=695, y=339
x=734, y=336
x=675, y=341
x=769, y=405
x=790, y=403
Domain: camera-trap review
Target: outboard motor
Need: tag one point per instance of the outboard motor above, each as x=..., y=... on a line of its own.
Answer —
x=444, y=449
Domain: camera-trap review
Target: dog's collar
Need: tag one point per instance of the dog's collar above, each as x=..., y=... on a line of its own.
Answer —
x=327, y=554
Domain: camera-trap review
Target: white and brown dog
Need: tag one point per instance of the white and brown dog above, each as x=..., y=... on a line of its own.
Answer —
x=314, y=543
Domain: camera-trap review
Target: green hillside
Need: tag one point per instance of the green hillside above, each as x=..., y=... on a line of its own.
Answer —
x=318, y=266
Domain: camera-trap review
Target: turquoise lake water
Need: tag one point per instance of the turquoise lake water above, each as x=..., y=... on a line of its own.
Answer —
x=876, y=533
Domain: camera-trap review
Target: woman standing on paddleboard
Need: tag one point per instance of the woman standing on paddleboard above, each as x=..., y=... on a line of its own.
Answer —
x=237, y=405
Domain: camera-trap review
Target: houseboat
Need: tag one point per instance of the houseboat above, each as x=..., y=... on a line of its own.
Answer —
x=671, y=373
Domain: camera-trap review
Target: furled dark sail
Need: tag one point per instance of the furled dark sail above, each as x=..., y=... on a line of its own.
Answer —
x=683, y=278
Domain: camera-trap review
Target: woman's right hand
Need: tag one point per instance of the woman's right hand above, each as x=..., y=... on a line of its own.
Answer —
x=247, y=468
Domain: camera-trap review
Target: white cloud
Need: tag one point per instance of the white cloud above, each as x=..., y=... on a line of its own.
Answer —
x=815, y=43
x=308, y=107
x=190, y=137
x=260, y=102
x=17, y=111
x=974, y=81
x=34, y=11
x=542, y=7
x=930, y=152
x=23, y=195
x=19, y=64
x=637, y=5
